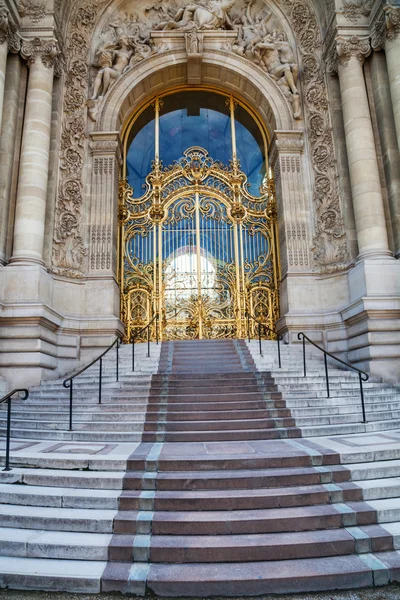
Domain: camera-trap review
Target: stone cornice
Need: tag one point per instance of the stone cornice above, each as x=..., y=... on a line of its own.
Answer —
x=354, y=46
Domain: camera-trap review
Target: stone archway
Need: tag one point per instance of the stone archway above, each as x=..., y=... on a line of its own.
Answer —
x=227, y=73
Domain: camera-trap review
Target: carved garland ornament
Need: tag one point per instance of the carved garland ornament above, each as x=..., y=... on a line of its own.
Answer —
x=69, y=249
x=330, y=244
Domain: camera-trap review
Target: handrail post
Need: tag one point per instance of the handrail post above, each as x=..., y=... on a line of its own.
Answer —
x=304, y=356
x=8, y=441
x=279, y=350
x=100, y=378
x=327, y=376
x=148, y=341
x=117, y=349
x=70, y=403
x=157, y=325
x=248, y=326
x=259, y=338
x=133, y=353
x=362, y=398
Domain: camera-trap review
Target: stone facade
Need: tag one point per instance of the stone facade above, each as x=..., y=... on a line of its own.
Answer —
x=323, y=77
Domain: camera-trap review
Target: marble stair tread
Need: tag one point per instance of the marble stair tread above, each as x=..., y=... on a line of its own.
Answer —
x=387, y=509
x=79, y=576
x=44, y=496
x=105, y=480
x=57, y=519
x=61, y=545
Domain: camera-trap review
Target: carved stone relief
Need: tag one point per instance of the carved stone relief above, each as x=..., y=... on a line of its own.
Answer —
x=36, y=11
x=330, y=244
x=353, y=10
x=69, y=248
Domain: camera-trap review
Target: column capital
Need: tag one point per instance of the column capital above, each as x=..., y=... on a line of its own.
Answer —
x=47, y=50
x=347, y=47
x=8, y=31
x=289, y=142
x=392, y=19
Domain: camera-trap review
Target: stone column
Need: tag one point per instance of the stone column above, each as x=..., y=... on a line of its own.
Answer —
x=10, y=141
x=3, y=54
x=34, y=164
x=392, y=49
x=364, y=173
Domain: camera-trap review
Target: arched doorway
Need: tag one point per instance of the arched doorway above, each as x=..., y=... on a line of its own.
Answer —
x=198, y=236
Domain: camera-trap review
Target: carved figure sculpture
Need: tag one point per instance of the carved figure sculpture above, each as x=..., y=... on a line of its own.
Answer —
x=211, y=15
x=113, y=59
x=250, y=30
x=266, y=53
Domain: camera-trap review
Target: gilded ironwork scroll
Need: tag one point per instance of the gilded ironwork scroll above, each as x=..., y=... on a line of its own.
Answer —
x=198, y=249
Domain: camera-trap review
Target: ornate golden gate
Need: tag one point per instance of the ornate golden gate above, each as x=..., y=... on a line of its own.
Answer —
x=199, y=250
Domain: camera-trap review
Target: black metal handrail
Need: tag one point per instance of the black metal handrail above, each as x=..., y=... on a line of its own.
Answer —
x=69, y=382
x=133, y=338
x=279, y=338
x=8, y=399
x=362, y=376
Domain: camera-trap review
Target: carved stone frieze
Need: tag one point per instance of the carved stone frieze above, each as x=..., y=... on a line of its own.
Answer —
x=392, y=16
x=330, y=243
x=33, y=9
x=353, y=10
x=347, y=47
x=69, y=248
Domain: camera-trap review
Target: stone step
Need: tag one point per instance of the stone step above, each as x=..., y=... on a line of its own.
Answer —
x=256, y=521
x=78, y=576
x=64, y=435
x=57, y=519
x=239, y=548
x=238, y=479
x=224, y=424
x=239, y=499
x=222, y=435
x=37, y=495
x=64, y=478
x=55, y=545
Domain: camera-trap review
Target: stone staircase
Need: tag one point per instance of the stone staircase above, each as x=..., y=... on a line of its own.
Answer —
x=218, y=492
x=120, y=417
